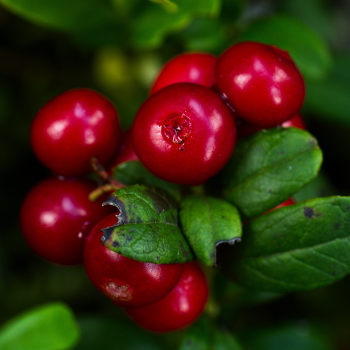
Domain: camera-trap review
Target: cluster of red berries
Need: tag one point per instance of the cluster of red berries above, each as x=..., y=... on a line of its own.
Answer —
x=185, y=132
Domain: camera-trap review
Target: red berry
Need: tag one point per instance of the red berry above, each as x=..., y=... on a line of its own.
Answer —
x=287, y=202
x=261, y=82
x=125, y=281
x=74, y=127
x=181, y=307
x=56, y=216
x=245, y=129
x=296, y=122
x=125, y=151
x=190, y=67
x=184, y=133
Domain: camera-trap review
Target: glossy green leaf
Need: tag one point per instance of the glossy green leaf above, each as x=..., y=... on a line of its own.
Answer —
x=208, y=222
x=133, y=172
x=155, y=22
x=48, y=327
x=147, y=228
x=269, y=167
x=329, y=98
x=68, y=15
x=298, y=247
x=309, y=51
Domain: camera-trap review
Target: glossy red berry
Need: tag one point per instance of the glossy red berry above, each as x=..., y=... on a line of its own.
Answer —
x=261, y=82
x=181, y=307
x=125, y=281
x=190, y=67
x=56, y=216
x=74, y=127
x=184, y=133
x=297, y=122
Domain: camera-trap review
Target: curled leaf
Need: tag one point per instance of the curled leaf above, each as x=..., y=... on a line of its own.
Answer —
x=147, y=228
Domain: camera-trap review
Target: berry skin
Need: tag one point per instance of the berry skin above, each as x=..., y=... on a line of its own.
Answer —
x=56, y=216
x=181, y=307
x=190, y=67
x=296, y=122
x=261, y=82
x=185, y=133
x=245, y=129
x=289, y=201
x=74, y=127
x=127, y=282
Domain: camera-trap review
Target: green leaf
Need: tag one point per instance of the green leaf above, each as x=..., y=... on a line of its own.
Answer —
x=167, y=4
x=204, y=335
x=101, y=332
x=48, y=327
x=208, y=222
x=329, y=98
x=198, y=336
x=298, y=247
x=268, y=167
x=225, y=341
x=309, y=51
x=320, y=186
x=154, y=23
x=206, y=35
x=147, y=228
x=93, y=20
x=287, y=337
x=133, y=172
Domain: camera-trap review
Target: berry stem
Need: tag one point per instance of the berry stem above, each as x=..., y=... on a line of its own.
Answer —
x=110, y=185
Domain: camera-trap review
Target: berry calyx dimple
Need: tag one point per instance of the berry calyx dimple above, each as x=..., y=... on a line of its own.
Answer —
x=177, y=129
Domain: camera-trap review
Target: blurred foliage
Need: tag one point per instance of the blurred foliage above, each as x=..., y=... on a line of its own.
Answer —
x=117, y=48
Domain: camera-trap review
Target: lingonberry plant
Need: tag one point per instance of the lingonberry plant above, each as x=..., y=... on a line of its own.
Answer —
x=201, y=211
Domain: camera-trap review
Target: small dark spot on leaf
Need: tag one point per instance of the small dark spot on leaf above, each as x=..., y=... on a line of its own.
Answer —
x=132, y=230
x=138, y=220
x=128, y=238
x=157, y=257
x=135, y=206
x=312, y=142
x=309, y=212
x=115, y=244
x=336, y=225
x=282, y=152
